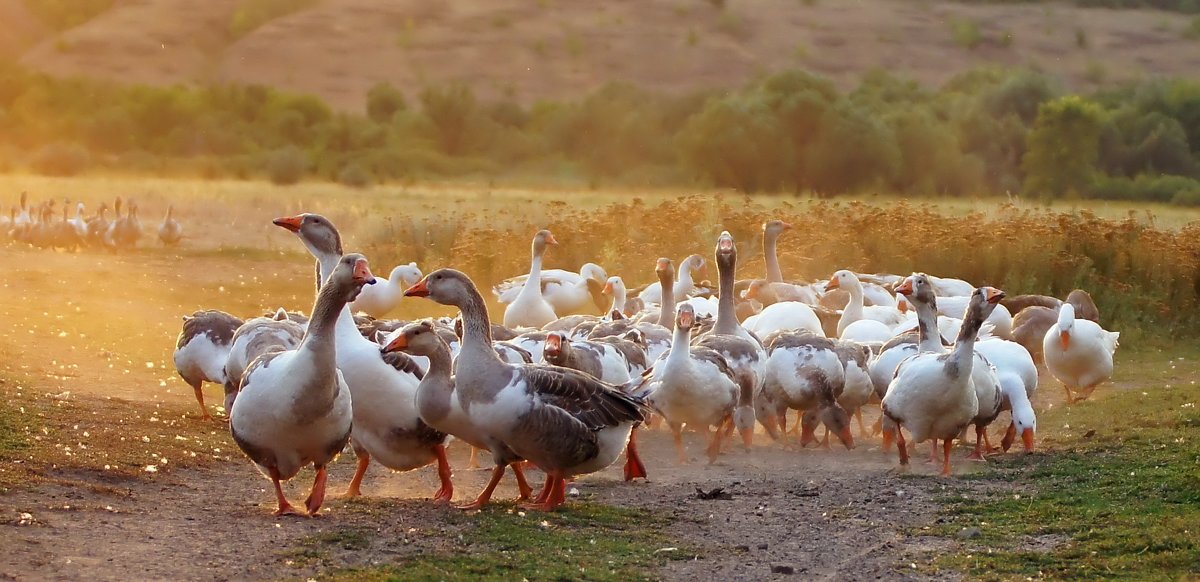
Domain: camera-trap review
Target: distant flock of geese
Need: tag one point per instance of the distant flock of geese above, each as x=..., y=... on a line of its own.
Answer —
x=45, y=226
x=568, y=392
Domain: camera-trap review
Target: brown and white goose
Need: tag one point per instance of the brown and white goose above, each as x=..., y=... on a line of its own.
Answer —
x=439, y=404
x=202, y=350
x=684, y=283
x=741, y=349
x=294, y=407
x=387, y=427
x=932, y=394
x=564, y=421
x=530, y=308
x=255, y=337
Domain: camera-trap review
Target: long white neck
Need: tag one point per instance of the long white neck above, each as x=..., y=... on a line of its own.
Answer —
x=618, y=304
x=774, y=274
x=680, y=347
x=961, y=358
x=345, y=331
x=683, y=280
x=927, y=327
x=533, y=284
x=854, y=308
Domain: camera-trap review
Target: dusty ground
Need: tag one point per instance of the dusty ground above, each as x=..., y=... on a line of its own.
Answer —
x=122, y=483
x=533, y=50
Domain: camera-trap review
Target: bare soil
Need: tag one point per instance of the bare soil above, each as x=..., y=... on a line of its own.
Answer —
x=529, y=50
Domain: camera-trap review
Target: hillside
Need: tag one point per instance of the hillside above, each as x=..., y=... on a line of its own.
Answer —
x=532, y=49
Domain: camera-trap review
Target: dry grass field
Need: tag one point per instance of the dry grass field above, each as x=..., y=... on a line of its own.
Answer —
x=108, y=475
x=537, y=49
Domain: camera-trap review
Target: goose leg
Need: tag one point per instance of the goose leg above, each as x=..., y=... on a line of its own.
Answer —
x=473, y=463
x=545, y=493
x=878, y=427
x=714, y=447
x=522, y=484
x=1010, y=435
x=317, y=496
x=901, y=446
x=557, y=495
x=486, y=495
x=446, y=492
x=933, y=452
x=364, y=459
x=285, y=508
x=634, y=468
x=862, y=428
x=946, y=446
x=677, y=433
x=980, y=435
x=1070, y=397
x=198, y=388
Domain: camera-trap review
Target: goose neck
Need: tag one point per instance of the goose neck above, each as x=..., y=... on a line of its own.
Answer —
x=618, y=303
x=774, y=273
x=666, y=317
x=680, y=346
x=927, y=327
x=727, y=323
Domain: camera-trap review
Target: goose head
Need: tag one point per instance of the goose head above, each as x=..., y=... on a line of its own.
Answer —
x=917, y=289
x=726, y=252
x=833, y=416
x=1066, y=324
x=419, y=338
x=445, y=286
x=983, y=301
x=844, y=279
x=1024, y=423
x=317, y=233
x=594, y=272
x=664, y=269
x=24, y=200
x=685, y=316
x=541, y=239
x=348, y=278
x=773, y=228
x=754, y=289
x=613, y=284
x=696, y=265
x=556, y=347
x=405, y=275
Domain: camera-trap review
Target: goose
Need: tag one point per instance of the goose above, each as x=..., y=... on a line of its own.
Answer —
x=693, y=386
x=741, y=349
x=1000, y=320
x=771, y=232
x=684, y=282
x=604, y=361
x=440, y=403
x=615, y=286
x=804, y=372
x=932, y=394
x=1019, y=303
x=947, y=287
x=918, y=290
x=255, y=337
x=664, y=314
x=857, y=388
x=79, y=224
x=786, y=315
x=384, y=296
x=854, y=308
x=653, y=327
x=867, y=330
x=1079, y=353
x=23, y=219
x=294, y=406
x=565, y=291
x=1018, y=377
x=768, y=293
x=170, y=232
x=125, y=231
x=564, y=421
x=7, y=222
x=530, y=309
x=97, y=225
x=202, y=350
x=387, y=427
x=1030, y=327
x=1085, y=308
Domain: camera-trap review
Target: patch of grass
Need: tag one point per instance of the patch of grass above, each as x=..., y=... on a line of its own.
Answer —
x=1193, y=30
x=966, y=32
x=585, y=541
x=1119, y=496
x=12, y=442
x=252, y=14
x=1081, y=38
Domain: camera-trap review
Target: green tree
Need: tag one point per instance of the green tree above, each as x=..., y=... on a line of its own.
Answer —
x=452, y=110
x=383, y=101
x=737, y=142
x=1063, y=147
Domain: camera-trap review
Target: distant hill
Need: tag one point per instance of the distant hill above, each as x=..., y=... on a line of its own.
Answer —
x=533, y=49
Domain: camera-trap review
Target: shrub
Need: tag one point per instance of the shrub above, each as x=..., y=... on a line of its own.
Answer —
x=1187, y=197
x=383, y=101
x=966, y=32
x=61, y=159
x=354, y=175
x=287, y=165
x=1063, y=147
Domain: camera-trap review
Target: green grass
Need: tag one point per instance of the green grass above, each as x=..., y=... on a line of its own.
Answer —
x=585, y=541
x=12, y=442
x=1117, y=497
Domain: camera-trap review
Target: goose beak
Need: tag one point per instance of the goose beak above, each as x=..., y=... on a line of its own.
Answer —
x=292, y=223
x=550, y=240
x=553, y=345
x=362, y=273
x=1027, y=439
x=751, y=292
x=421, y=289
x=1065, y=336
x=725, y=242
x=787, y=226
x=847, y=438
x=608, y=288
x=398, y=343
x=905, y=287
x=686, y=319
x=662, y=265
x=833, y=284
x=994, y=295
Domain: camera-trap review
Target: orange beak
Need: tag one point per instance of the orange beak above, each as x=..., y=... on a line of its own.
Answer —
x=1027, y=439
x=1066, y=340
x=993, y=295
x=686, y=319
x=292, y=223
x=703, y=270
x=833, y=284
x=752, y=291
x=725, y=244
x=553, y=344
x=362, y=273
x=905, y=287
x=608, y=288
x=748, y=437
x=787, y=226
x=421, y=289
x=397, y=344
x=847, y=438
x=551, y=240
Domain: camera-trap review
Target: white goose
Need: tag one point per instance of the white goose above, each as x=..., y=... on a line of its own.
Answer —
x=684, y=282
x=786, y=316
x=615, y=286
x=565, y=291
x=564, y=421
x=1018, y=377
x=202, y=350
x=1079, y=353
x=932, y=394
x=387, y=426
x=79, y=223
x=384, y=296
x=692, y=386
x=295, y=406
x=855, y=310
x=530, y=308
x=170, y=232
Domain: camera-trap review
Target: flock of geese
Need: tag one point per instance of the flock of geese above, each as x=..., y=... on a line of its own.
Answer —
x=567, y=393
x=44, y=226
